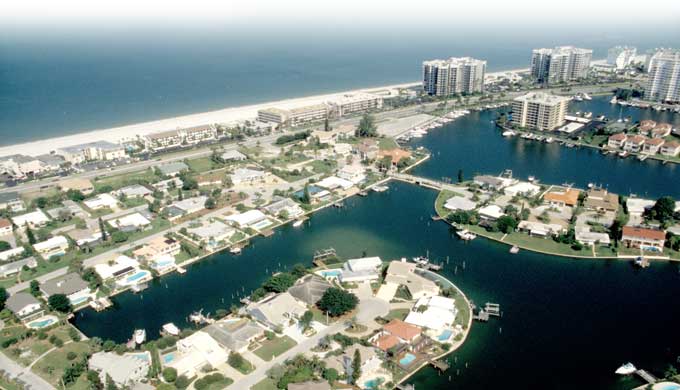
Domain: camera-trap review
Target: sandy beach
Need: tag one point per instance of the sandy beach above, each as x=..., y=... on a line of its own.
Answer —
x=226, y=115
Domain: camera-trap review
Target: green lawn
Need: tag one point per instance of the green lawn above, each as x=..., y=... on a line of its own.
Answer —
x=265, y=384
x=387, y=143
x=325, y=167
x=202, y=164
x=52, y=366
x=119, y=181
x=275, y=347
x=220, y=385
x=246, y=368
x=398, y=314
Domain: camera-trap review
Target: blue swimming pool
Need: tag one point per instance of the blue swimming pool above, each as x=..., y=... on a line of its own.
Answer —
x=666, y=386
x=445, y=335
x=407, y=359
x=143, y=356
x=137, y=276
x=39, y=324
x=334, y=273
x=371, y=384
x=167, y=359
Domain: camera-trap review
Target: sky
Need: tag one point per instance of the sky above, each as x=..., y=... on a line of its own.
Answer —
x=22, y=17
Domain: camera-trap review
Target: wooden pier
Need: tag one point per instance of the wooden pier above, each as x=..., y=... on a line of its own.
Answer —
x=490, y=309
x=405, y=387
x=493, y=309
x=436, y=218
x=101, y=304
x=441, y=365
x=267, y=233
x=646, y=376
x=321, y=256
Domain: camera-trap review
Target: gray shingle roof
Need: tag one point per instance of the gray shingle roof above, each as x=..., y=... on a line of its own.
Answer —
x=20, y=300
x=67, y=284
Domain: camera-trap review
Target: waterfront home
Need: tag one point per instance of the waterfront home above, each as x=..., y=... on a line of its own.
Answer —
x=11, y=253
x=334, y=182
x=436, y=313
x=367, y=149
x=117, y=268
x=196, y=352
x=173, y=169
x=233, y=155
x=354, y=173
x=212, y=234
x=398, y=333
x=249, y=219
x=130, y=222
x=72, y=285
x=19, y=166
x=125, y=370
x=617, y=141
x=670, y=148
x=85, y=237
x=35, y=219
x=309, y=385
x=661, y=130
x=396, y=155
x=342, y=149
x=599, y=199
x=235, y=334
x=190, y=205
x=491, y=212
x=634, y=143
x=84, y=186
x=637, y=207
x=562, y=198
x=402, y=273
x=92, y=151
x=14, y=267
x=247, y=176
x=133, y=191
x=646, y=239
x=163, y=140
x=50, y=162
x=361, y=269
x=456, y=203
x=166, y=185
x=309, y=289
x=24, y=306
x=277, y=310
x=370, y=361
x=540, y=229
x=287, y=205
x=586, y=237
x=197, y=134
x=55, y=246
x=11, y=201
x=646, y=126
x=159, y=246
x=101, y=201
x=5, y=227
x=522, y=188
x=492, y=183
x=652, y=145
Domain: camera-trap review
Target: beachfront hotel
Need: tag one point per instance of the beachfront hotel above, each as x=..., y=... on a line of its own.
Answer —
x=453, y=76
x=560, y=64
x=664, y=76
x=621, y=56
x=353, y=103
x=294, y=117
x=99, y=150
x=539, y=111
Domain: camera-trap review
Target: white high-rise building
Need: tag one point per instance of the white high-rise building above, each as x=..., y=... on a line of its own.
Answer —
x=453, y=76
x=561, y=64
x=664, y=76
x=539, y=110
x=621, y=56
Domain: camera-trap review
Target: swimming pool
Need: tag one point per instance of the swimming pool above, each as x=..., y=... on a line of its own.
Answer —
x=372, y=384
x=168, y=358
x=143, y=356
x=407, y=359
x=79, y=300
x=42, y=322
x=331, y=273
x=136, y=277
x=445, y=335
x=262, y=224
x=666, y=386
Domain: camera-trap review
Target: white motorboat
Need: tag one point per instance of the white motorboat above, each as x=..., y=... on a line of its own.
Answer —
x=508, y=133
x=577, y=98
x=514, y=250
x=380, y=188
x=466, y=235
x=298, y=223
x=235, y=250
x=626, y=369
x=421, y=260
x=170, y=329
x=586, y=96
x=140, y=336
x=614, y=100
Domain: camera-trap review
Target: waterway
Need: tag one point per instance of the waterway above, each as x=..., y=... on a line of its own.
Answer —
x=566, y=323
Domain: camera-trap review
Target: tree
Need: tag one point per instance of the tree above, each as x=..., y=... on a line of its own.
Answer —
x=110, y=384
x=119, y=237
x=336, y=301
x=102, y=229
x=169, y=374
x=95, y=382
x=3, y=297
x=35, y=288
x=188, y=183
x=210, y=203
x=92, y=277
x=4, y=245
x=356, y=366
x=306, y=198
x=75, y=195
x=155, y=206
x=330, y=374
x=180, y=195
x=236, y=360
x=367, y=127
x=306, y=319
x=663, y=209
x=59, y=302
x=279, y=282
x=29, y=235
x=182, y=382
x=326, y=125
x=460, y=176
x=506, y=224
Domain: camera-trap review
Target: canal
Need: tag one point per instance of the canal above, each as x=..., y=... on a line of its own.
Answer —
x=566, y=323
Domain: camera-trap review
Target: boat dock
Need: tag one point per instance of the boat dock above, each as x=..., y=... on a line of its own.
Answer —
x=321, y=256
x=267, y=233
x=101, y=304
x=646, y=376
x=405, y=387
x=441, y=365
x=489, y=310
x=436, y=218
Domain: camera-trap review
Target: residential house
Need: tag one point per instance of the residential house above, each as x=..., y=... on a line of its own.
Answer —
x=235, y=334
x=213, y=234
x=562, y=198
x=634, y=143
x=456, y=203
x=24, y=306
x=491, y=212
x=617, y=141
x=117, y=268
x=188, y=206
x=210, y=179
x=670, y=148
x=69, y=209
x=14, y=267
x=361, y=269
x=98, y=150
x=101, y=201
x=247, y=176
x=540, y=229
x=334, y=182
x=652, y=145
x=11, y=253
x=35, y=219
x=646, y=239
x=19, y=166
x=125, y=370
x=401, y=273
x=55, y=246
x=163, y=140
x=436, y=313
x=367, y=149
x=354, y=173
x=166, y=185
x=646, y=126
x=233, y=155
x=637, y=207
x=397, y=332
x=396, y=155
x=599, y=199
x=522, y=189
x=173, y=169
x=249, y=219
x=586, y=237
x=287, y=205
x=77, y=184
x=50, y=162
x=5, y=227
x=492, y=183
x=11, y=201
x=370, y=361
x=133, y=191
x=72, y=285
x=196, y=352
x=277, y=310
x=309, y=289
x=661, y=130
x=85, y=237
x=130, y=222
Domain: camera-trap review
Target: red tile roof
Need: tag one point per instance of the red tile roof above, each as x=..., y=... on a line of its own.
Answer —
x=4, y=223
x=387, y=341
x=618, y=137
x=402, y=330
x=650, y=234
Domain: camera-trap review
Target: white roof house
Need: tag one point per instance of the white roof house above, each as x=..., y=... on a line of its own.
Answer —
x=403, y=273
x=136, y=220
x=15, y=267
x=124, y=370
x=133, y=191
x=197, y=351
x=233, y=155
x=247, y=219
x=459, y=203
x=354, y=173
x=364, y=263
x=101, y=201
x=440, y=313
x=246, y=175
x=362, y=269
x=637, y=206
x=191, y=205
x=122, y=265
x=215, y=231
x=491, y=212
x=8, y=254
x=52, y=246
x=540, y=229
x=34, y=219
x=286, y=204
x=522, y=188
x=277, y=310
x=592, y=238
x=333, y=182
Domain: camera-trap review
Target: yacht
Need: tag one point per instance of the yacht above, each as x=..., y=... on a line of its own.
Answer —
x=514, y=250
x=508, y=133
x=466, y=235
x=298, y=223
x=382, y=188
x=140, y=336
x=236, y=250
x=626, y=369
x=586, y=96
x=577, y=98
x=614, y=100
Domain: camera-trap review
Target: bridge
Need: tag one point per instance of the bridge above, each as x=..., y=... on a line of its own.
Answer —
x=421, y=181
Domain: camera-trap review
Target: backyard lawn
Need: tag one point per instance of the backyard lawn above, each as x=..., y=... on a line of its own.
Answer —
x=52, y=366
x=275, y=347
x=398, y=314
x=265, y=384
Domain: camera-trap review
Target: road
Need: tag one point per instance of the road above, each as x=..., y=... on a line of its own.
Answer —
x=21, y=374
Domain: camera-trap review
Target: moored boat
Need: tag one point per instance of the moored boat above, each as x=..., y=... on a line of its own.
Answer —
x=626, y=369
x=139, y=336
x=466, y=235
x=298, y=223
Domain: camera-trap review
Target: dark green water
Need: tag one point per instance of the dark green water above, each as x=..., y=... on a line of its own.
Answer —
x=566, y=323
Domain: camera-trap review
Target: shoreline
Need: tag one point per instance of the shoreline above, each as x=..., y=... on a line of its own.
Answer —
x=225, y=115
